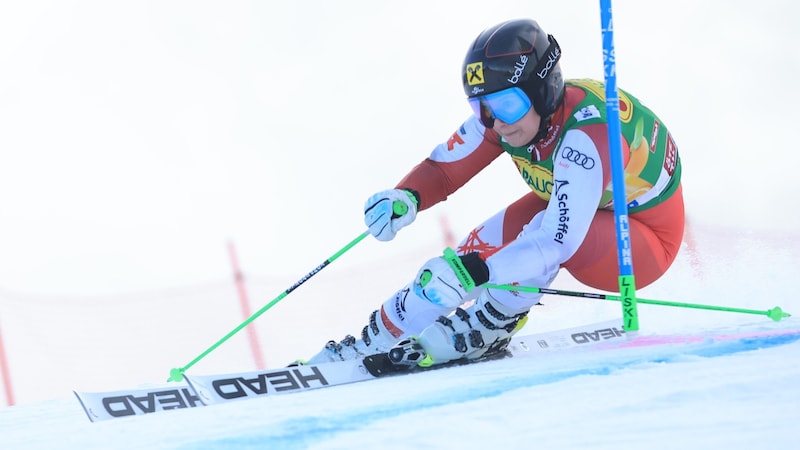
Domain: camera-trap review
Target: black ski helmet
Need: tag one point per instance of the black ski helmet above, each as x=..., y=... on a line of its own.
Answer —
x=516, y=53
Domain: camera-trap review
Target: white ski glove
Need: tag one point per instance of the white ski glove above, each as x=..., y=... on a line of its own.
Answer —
x=385, y=213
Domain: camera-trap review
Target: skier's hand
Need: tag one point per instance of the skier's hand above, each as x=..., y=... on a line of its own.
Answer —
x=385, y=213
x=438, y=282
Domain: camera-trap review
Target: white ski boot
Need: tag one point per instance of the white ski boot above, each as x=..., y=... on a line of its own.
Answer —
x=375, y=338
x=483, y=328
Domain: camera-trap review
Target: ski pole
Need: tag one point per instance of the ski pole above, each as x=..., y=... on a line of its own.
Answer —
x=627, y=282
x=176, y=374
x=775, y=313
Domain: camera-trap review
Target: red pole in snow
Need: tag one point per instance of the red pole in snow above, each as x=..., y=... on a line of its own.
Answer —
x=447, y=232
x=6, y=374
x=255, y=345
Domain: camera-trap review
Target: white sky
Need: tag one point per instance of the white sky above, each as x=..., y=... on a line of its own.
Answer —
x=137, y=137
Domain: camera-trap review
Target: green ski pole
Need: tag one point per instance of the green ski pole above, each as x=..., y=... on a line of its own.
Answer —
x=775, y=313
x=176, y=374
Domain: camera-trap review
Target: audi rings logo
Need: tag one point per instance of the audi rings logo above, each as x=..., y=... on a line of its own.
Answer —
x=572, y=155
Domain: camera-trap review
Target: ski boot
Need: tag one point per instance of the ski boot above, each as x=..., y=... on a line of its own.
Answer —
x=375, y=338
x=483, y=329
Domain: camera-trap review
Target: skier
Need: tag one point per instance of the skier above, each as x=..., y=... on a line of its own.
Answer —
x=555, y=132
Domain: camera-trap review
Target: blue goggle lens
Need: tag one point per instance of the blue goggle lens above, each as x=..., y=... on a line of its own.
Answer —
x=508, y=105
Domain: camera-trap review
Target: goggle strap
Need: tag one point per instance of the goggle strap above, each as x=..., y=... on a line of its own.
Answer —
x=551, y=57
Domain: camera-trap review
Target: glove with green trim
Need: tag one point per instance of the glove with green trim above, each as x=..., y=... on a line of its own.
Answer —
x=386, y=212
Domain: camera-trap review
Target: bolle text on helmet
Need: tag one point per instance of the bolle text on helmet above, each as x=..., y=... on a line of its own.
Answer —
x=519, y=69
x=552, y=58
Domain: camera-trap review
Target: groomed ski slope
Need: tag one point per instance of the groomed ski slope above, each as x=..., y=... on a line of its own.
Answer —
x=737, y=394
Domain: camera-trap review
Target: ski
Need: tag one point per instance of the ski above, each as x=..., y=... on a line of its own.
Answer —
x=132, y=402
x=214, y=389
x=202, y=390
x=606, y=337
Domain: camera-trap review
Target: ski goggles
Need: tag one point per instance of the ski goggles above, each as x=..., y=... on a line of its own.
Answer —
x=508, y=105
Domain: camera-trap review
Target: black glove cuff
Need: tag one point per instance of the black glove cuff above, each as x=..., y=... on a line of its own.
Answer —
x=476, y=267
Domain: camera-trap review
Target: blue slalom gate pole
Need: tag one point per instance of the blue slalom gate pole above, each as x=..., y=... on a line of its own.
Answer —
x=627, y=283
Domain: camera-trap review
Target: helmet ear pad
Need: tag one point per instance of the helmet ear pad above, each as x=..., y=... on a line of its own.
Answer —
x=546, y=95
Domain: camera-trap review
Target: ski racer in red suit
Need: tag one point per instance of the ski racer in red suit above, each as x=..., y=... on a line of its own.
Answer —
x=555, y=132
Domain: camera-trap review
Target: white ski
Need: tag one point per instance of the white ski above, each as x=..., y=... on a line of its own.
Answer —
x=132, y=402
x=214, y=389
x=201, y=390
